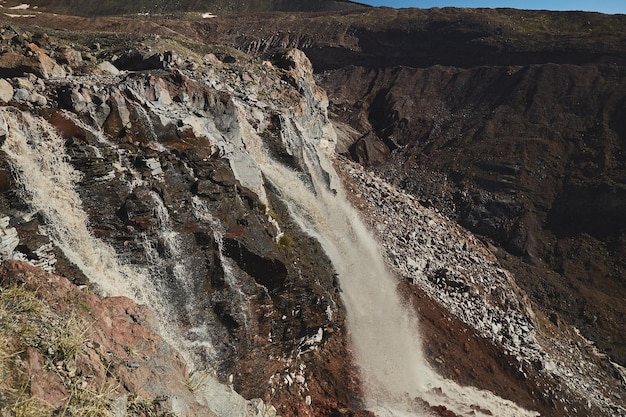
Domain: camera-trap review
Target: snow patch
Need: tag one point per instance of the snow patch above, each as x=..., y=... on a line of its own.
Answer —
x=19, y=15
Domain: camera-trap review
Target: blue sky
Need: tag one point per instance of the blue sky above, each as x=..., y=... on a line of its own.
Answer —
x=603, y=6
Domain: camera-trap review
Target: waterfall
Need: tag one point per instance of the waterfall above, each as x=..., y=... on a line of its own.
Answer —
x=384, y=331
x=47, y=181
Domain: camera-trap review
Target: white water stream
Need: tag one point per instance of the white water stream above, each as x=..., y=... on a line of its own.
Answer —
x=47, y=181
x=384, y=332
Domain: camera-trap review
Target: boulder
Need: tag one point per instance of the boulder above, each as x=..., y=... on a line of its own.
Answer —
x=136, y=60
x=74, y=98
x=23, y=82
x=8, y=239
x=48, y=67
x=70, y=56
x=161, y=92
x=264, y=265
x=99, y=113
x=211, y=58
x=37, y=99
x=4, y=129
x=6, y=91
x=223, y=175
x=106, y=66
x=21, y=95
x=370, y=150
x=16, y=65
x=119, y=117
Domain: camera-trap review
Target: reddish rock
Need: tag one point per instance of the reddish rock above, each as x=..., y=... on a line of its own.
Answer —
x=16, y=65
x=44, y=384
x=121, y=344
x=70, y=56
x=119, y=118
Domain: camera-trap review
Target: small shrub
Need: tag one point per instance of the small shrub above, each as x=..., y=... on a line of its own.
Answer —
x=285, y=241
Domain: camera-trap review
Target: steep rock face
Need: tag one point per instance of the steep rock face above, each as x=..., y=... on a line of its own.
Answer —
x=164, y=168
x=501, y=120
x=159, y=165
x=521, y=350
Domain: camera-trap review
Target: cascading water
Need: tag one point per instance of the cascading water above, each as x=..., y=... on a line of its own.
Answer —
x=47, y=181
x=383, y=330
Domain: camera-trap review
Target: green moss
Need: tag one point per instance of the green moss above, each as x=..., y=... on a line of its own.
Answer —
x=82, y=305
x=285, y=241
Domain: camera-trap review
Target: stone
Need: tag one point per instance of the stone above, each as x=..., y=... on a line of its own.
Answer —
x=75, y=98
x=140, y=60
x=369, y=150
x=262, y=262
x=119, y=117
x=15, y=65
x=4, y=130
x=155, y=166
x=211, y=58
x=21, y=95
x=70, y=57
x=119, y=406
x=106, y=66
x=223, y=175
x=100, y=114
x=6, y=91
x=45, y=384
x=48, y=68
x=161, y=92
x=24, y=82
x=8, y=242
x=37, y=99
x=206, y=188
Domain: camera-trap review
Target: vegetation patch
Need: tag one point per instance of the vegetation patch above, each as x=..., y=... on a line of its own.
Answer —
x=38, y=343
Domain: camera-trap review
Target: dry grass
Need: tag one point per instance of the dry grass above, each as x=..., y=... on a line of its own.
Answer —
x=29, y=322
x=17, y=331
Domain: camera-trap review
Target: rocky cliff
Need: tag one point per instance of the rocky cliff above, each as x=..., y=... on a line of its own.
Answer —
x=508, y=121
x=143, y=184
x=197, y=180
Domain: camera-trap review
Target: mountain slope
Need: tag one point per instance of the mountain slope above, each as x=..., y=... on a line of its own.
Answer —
x=162, y=7
x=163, y=182
x=507, y=120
